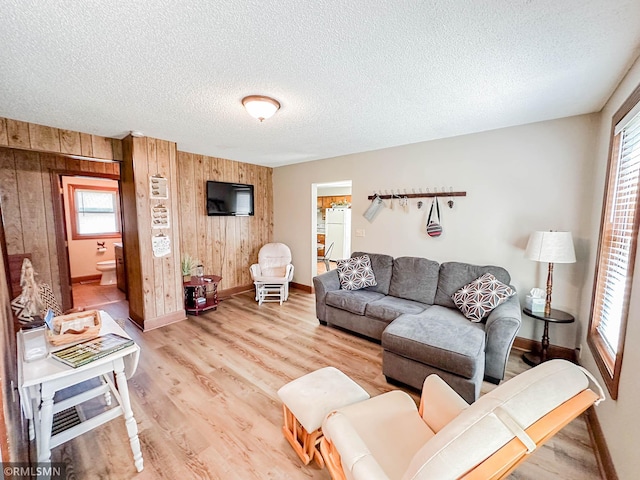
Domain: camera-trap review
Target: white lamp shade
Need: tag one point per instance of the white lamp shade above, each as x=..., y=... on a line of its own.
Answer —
x=260, y=107
x=551, y=247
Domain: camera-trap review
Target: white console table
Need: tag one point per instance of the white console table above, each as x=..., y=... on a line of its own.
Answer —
x=39, y=381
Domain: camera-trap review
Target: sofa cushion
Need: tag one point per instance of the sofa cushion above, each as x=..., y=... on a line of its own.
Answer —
x=414, y=278
x=477, y=299
x=354, y=301
x=389, y=308
x=455, y=275
x=440, y=337
x=355, y=273
x=382, y=266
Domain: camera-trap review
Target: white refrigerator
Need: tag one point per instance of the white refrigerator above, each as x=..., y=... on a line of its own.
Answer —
x=337, y=226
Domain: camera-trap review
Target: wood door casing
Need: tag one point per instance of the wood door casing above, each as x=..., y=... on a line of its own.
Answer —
x=13, y=438
x=61, y=233
x=62, y=242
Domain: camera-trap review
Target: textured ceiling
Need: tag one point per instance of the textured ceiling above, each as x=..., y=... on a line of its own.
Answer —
x=351, y=76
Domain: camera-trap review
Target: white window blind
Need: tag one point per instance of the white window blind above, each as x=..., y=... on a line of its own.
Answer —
x=613, y=285
x=96, y=212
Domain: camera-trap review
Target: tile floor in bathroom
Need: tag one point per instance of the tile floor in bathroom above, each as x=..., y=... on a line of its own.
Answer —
x=89, y=294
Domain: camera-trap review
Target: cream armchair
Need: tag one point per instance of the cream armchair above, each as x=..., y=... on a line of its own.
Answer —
x=272, y=274
x=387, y=437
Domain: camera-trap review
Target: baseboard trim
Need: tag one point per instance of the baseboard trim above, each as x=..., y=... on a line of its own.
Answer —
x=603, y=457
x=300, y=286
x=153, y=323
x=229, y=292
x=136, y=320
x=555, y=351
x=157, y=322
x=86, y=278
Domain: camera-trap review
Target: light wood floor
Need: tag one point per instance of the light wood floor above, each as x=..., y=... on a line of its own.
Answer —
x=204, y=397
x=322, y=268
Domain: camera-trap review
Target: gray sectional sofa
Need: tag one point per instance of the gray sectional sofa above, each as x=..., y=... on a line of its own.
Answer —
x=410, y=311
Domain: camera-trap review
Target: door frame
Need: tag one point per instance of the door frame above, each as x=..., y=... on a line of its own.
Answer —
x=315, y=186
x=62, y=240
x=14, y=444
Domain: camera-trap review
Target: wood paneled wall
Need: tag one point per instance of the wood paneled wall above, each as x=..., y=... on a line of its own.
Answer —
x=29, y=136
x=226, y=246
x=13, y=441
x=27, y=208
x=154, y=284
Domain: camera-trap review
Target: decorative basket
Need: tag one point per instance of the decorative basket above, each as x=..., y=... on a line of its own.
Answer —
x=87, y=333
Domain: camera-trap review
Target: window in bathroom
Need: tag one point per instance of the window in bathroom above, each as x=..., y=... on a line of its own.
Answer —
x=94, y=212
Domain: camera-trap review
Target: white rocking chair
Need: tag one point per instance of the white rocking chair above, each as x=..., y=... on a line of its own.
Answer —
x=272, y=274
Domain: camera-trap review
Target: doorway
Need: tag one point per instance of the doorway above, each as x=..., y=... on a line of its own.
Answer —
x=92, y=226
x=332, y=224
x=33, y=213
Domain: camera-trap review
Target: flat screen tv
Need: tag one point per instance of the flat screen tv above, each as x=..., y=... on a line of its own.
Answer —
x=229, y=199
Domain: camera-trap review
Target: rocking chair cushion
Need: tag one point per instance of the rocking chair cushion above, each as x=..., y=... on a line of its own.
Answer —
x=478, y=432
x=385, y=437
x=313, y=395
x=391, y=440
x=273, y=259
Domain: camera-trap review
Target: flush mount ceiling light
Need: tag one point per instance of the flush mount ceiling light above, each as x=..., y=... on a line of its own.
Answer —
x=260, y=107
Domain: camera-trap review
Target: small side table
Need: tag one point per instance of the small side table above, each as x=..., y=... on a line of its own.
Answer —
x=201, y=294
x=39, y=380
x=556, y=316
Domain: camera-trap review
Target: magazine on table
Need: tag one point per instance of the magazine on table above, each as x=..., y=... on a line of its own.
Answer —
x=91, y=350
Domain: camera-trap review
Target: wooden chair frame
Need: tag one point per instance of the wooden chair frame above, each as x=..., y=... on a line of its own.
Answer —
x=502, y=462
x=304, y=443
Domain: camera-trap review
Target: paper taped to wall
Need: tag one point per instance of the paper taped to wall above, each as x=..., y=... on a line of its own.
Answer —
x=161, y=245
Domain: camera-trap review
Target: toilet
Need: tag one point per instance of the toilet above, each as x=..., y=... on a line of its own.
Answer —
x=108, y=269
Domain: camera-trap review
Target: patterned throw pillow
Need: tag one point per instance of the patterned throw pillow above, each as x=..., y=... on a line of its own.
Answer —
x=478, y=298
x=356, y=273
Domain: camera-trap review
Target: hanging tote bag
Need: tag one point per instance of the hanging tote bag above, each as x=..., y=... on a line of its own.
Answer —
x=434, y=229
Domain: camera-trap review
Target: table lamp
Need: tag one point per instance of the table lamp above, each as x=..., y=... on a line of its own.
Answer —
x=552, y=247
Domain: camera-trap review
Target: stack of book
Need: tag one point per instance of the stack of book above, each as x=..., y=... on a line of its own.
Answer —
x=91, y=350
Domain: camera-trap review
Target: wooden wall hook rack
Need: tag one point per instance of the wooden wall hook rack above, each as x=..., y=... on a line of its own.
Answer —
x=419, y=195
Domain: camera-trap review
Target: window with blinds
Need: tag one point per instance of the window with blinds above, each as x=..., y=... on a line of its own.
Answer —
x=617, y=249
x=94, y=212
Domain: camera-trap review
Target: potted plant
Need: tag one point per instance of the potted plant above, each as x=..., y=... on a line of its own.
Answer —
x=187, y=265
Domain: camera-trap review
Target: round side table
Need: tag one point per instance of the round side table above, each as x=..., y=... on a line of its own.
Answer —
x=556, y=316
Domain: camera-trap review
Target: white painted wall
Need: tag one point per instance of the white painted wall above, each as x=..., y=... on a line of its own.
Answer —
x=83, y=254
x=620, y=419
x=333, y=191
x=519, y=179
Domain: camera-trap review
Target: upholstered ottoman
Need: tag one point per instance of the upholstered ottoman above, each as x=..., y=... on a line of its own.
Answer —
x=307, y=400
x=438, y=340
